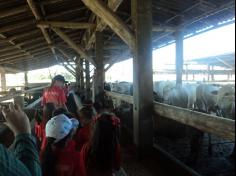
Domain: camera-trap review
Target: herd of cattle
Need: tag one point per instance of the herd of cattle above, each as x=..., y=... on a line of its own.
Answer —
x=208, y=98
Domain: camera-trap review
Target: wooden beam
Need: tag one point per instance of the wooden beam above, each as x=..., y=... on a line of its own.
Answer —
x=112, y=20
x=44, y=31
x=64, y=54
x=65, y=12
x=15, y=46
x=16, y=26
x=67, y=61
x=60, y=24
x=71, y=43
x=13, y=11
x=142, y=70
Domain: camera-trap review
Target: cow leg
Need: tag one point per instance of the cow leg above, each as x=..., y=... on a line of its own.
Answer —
x=209, y=145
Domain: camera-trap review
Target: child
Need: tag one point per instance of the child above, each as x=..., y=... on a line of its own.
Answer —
x=101, y=155
x=58, y=159
x=55, y=93
x=83, y=135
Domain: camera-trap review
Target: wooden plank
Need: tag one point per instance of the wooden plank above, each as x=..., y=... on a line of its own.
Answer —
x=112, y=20
x=69, y=25
x=218, y=126
x=71, y=43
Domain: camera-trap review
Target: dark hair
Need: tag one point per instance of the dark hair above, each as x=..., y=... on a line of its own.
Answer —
x=49, y=158
x=48, y=110
x=103, y=143
x=59, y=111
x=63, y=111
x=87, y=111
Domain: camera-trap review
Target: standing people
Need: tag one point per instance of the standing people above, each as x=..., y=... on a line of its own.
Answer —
x=25, y=162
x=55, y=93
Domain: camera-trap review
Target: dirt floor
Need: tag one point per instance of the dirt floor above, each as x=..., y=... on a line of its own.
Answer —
x=219, y=164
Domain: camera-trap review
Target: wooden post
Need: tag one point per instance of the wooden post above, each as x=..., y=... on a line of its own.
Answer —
x=143, y=76
x=208, y=73
x=87, y=76
x=26, y=79
x=99, y=72
x=81, y=74
x=3, y=81
x=186, y=72
x=77, y=72
x=179, y=57
x=212, y=74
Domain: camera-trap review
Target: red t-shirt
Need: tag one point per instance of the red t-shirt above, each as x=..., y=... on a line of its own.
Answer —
x=82, y=136
x=54, y=95
x=84, y=159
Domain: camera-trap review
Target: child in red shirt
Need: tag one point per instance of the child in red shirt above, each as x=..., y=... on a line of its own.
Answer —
x=101, y=155
x=55, y=93
x=83, y=134
x=59, y=158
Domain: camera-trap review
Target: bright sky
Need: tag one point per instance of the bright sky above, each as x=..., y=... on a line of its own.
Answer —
x=214, y=42
x=211, y=43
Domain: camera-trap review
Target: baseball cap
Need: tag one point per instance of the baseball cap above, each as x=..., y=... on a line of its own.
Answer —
x=60, y=126
x=60, y=78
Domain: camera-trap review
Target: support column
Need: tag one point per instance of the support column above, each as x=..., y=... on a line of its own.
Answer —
x=87, y=76
x=3, y=81
x=208, y=73
x=179, y=56
x=186, y=72
x=26, y=79
x=77, y=72
x=99, y=72
x=142, y=76
x=212, y=74
x=82, y=74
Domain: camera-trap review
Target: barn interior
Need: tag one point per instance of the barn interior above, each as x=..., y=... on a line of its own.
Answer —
x=84, y=34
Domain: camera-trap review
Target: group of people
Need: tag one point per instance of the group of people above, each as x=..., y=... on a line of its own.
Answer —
x=84, y=142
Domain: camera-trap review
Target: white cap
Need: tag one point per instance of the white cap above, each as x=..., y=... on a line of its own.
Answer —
x=60, y=126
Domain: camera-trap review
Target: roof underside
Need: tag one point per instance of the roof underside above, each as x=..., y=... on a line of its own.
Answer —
x=225, y=60
x=23, y=46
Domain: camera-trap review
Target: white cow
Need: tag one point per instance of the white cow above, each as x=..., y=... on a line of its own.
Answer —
x=206, y=97
x=226, y=100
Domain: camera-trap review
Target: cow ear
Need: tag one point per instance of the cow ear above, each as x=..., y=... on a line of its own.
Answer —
x=214, y=92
